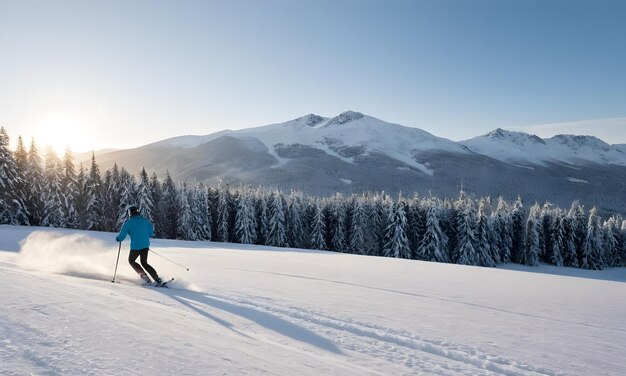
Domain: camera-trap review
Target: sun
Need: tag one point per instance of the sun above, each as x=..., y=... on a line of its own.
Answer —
x=61, y=129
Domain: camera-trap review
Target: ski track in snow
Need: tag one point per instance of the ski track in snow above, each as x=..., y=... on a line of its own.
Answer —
x=361, y=344
x=372, y=341
x=438, y=298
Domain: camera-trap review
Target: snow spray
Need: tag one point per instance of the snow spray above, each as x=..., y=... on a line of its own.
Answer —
x=81, y=255
x=77, y=255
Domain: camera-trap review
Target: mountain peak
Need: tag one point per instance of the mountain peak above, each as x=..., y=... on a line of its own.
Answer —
x=497, y=133
x=576, y=142
x=310, y=120
x=346, y=117
x=517, y=137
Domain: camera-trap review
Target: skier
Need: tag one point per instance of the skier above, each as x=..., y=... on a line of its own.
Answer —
x=140, y=231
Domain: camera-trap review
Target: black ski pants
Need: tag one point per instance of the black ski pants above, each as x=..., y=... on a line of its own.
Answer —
x=143, y=257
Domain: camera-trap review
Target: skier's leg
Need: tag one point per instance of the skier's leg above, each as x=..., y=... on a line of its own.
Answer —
x=144, y=263
x=132, y=260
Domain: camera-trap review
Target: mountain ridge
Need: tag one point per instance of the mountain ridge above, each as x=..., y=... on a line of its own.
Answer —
x=516, y=147
x=354, y=153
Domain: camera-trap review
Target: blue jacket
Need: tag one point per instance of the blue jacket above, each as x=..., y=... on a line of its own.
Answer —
x=140, y=231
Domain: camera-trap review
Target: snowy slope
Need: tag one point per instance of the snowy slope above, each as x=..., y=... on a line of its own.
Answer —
x=519, y=147
x=259, y=310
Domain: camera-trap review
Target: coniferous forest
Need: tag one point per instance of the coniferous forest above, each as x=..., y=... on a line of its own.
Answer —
x=52, y=191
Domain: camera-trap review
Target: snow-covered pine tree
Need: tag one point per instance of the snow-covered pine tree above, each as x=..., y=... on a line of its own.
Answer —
x=593, y=251
x=128, y=195
x=168, y=208
x=382, y=206
x=466, y=224
x=10, y=204
x=296, y=220
x=52, y=193
x=337, y=221
x=416, y=222
x=69, y=189
x=447, y=222
x=623, y=244
x=223, y=214
x=557, y=237
x=518, y=231
x=326, y=206
x=109, y=195
x=317, y=238
x=144, y=196
x=277, y=235
x=184, y=226
x=245, y=219
x=611, y=233
x=82, y=199
x=578, y=224
x=35, y=179
x=201, y=212
x=22, y=186
x=93, y=186
x=494, y=239
x=263, y=216
x=213, y=196
x=483, y=237
x=545, y=241
x=502, y=225
x=433, y=245
x=570, y=253
x=534, y=230
x=156, y=191
x=372, y=241
x=349, y=205
x=396, y=243
x=232, y=215
x=359, y=227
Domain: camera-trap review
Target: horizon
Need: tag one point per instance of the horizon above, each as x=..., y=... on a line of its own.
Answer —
x=121, y=74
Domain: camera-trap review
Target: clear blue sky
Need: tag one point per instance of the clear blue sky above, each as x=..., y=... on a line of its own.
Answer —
x=125, y=73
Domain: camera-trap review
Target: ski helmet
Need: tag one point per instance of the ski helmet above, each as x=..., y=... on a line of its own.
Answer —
x=132, y=210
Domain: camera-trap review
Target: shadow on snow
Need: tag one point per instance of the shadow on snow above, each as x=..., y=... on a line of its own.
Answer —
x=194, y=301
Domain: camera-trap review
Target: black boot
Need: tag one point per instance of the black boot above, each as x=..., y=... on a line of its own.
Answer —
x=145, y=277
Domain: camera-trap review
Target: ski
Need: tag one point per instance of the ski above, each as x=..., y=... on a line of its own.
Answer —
x=164, y=284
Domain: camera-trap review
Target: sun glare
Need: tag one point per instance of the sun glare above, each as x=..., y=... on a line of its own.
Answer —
x=62, y=129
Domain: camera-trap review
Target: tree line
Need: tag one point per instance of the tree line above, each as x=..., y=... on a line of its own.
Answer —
x=464, y=230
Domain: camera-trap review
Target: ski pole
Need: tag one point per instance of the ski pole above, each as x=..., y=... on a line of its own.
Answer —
x=116, y=262
x=173, y=262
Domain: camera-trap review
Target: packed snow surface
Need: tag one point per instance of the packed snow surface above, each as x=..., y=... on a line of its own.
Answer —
x=250, y=310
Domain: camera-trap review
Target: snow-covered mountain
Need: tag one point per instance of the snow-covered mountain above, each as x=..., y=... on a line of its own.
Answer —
x=253, y=310
x=518, y=147
x=346, y=136
x=353, y=153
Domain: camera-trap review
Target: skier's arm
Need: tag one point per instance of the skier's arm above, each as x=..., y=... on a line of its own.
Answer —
x=122, y=235
x=151, y=235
